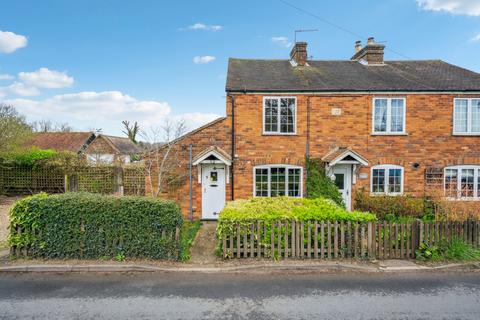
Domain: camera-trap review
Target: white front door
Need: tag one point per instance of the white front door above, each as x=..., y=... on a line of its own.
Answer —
x=213, y=190
x=343, y=180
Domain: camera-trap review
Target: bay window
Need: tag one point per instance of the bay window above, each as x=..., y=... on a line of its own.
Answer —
x=277, y=180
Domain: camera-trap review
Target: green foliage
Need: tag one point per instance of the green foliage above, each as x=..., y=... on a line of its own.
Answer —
x=89, y=226
x=319, y=185
x=189, y=231
x=14, y=130
x=29, y=157
x=453, y=250
x=389, y=207
x=244, y=212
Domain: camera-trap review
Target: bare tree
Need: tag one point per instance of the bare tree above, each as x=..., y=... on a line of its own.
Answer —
x=131, y=130
x=162, y=159
x=13, y=128
x=49, y=126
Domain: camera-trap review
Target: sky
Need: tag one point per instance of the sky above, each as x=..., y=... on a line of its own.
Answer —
x=94, y=63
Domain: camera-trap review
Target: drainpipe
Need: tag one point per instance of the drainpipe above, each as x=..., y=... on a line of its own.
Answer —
x=307, y=145
x=191, y=181
x=232, y=182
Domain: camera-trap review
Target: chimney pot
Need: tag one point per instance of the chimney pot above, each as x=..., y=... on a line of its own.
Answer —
x=371, y=40
x=358, y=46
x=299, y=53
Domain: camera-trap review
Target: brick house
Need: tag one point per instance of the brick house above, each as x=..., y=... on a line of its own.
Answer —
x=386, y=127
x=97, y=148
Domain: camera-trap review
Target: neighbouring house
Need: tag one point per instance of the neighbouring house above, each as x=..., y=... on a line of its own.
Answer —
x=387, y=127
x=97, y=148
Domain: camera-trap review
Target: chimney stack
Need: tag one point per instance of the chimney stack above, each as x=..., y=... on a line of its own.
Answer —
x=299, y=53
x=372, y=53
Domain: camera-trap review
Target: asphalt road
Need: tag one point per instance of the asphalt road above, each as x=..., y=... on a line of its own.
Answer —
x=240, y=296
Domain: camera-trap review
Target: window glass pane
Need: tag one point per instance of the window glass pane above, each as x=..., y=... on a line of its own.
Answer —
x=396, y=123
x=340, y=180
x=380, y=115
x=378, y=180
x=261, y=182
x=394, y=180
x=476, y=115
x=478, y=183
x=271, y=115
x=451, y=183
x=287, y=115
x=467, y=183
x=461, y=109
x=294, y=182
x=277, y=184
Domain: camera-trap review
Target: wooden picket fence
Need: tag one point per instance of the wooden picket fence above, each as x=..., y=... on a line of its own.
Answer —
x=338, y=240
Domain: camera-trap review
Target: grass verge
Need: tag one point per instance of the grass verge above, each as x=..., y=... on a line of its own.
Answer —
x=187, y=236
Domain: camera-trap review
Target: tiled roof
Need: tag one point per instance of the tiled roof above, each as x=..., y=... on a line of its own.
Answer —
x=123, y=145
x=347, y=76
x=60, y=141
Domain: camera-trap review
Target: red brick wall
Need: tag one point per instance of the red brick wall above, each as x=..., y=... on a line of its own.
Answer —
x=428, y=142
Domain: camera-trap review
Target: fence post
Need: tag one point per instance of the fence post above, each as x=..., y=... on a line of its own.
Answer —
x=370, y=237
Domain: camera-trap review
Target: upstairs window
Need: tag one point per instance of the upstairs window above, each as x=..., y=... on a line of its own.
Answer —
x=466, y=116
x=279, y=115
x=462, y=182
x=387, y=179
x=389, y=115
x=277, y=180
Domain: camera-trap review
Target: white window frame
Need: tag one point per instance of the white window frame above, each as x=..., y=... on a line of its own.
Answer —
x=469, y=118
x=476, y=174
x=386, y=167
x=269, y=167
x=389, y=116
x=278, y=125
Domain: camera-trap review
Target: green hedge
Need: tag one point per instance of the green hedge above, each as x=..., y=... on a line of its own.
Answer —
x=393, y=207
x=90, y=226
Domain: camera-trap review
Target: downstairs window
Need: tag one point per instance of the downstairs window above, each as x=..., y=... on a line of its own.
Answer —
x=277, y=180
x=462, y=182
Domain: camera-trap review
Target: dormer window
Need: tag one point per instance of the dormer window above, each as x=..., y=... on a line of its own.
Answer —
x=279, y=115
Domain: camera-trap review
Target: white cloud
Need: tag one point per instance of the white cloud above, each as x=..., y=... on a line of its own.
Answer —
x=283, y=41
x=203, y=59
x=104, y=110
x=465, y=7
x=6, y=76
x=9, y=41
x=19, y=89
x=202, y=26
x=45, y=78
x=476, y=38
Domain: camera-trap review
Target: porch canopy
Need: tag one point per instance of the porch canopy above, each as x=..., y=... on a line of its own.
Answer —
x=212, y=155
x=343, y=155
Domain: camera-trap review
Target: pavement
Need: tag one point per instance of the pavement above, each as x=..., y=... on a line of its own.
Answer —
x=187, y=296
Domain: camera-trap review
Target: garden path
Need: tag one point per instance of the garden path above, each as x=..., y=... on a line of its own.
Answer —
x=203, y=249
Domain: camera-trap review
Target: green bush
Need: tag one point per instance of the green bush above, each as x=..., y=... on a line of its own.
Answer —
x=453, y=250
x=89, y=226
x=391, y=207
x=29, y=157
x=319, y=185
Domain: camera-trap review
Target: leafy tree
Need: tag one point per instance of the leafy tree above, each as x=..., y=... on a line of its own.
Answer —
x=14, y=130
x=319, y=184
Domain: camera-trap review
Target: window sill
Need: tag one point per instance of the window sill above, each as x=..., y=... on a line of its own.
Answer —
x=466, y=134
x=462, y=199
x=389, y=134
x=278, y=134
x=386, y=194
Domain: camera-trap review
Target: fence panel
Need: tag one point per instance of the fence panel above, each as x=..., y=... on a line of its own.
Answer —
x=336, y=240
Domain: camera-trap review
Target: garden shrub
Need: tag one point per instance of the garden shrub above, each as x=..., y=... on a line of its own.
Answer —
x=392, y=207
x=244, y=212
x=29, y=157
x=90, y=226
x=319, y=185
